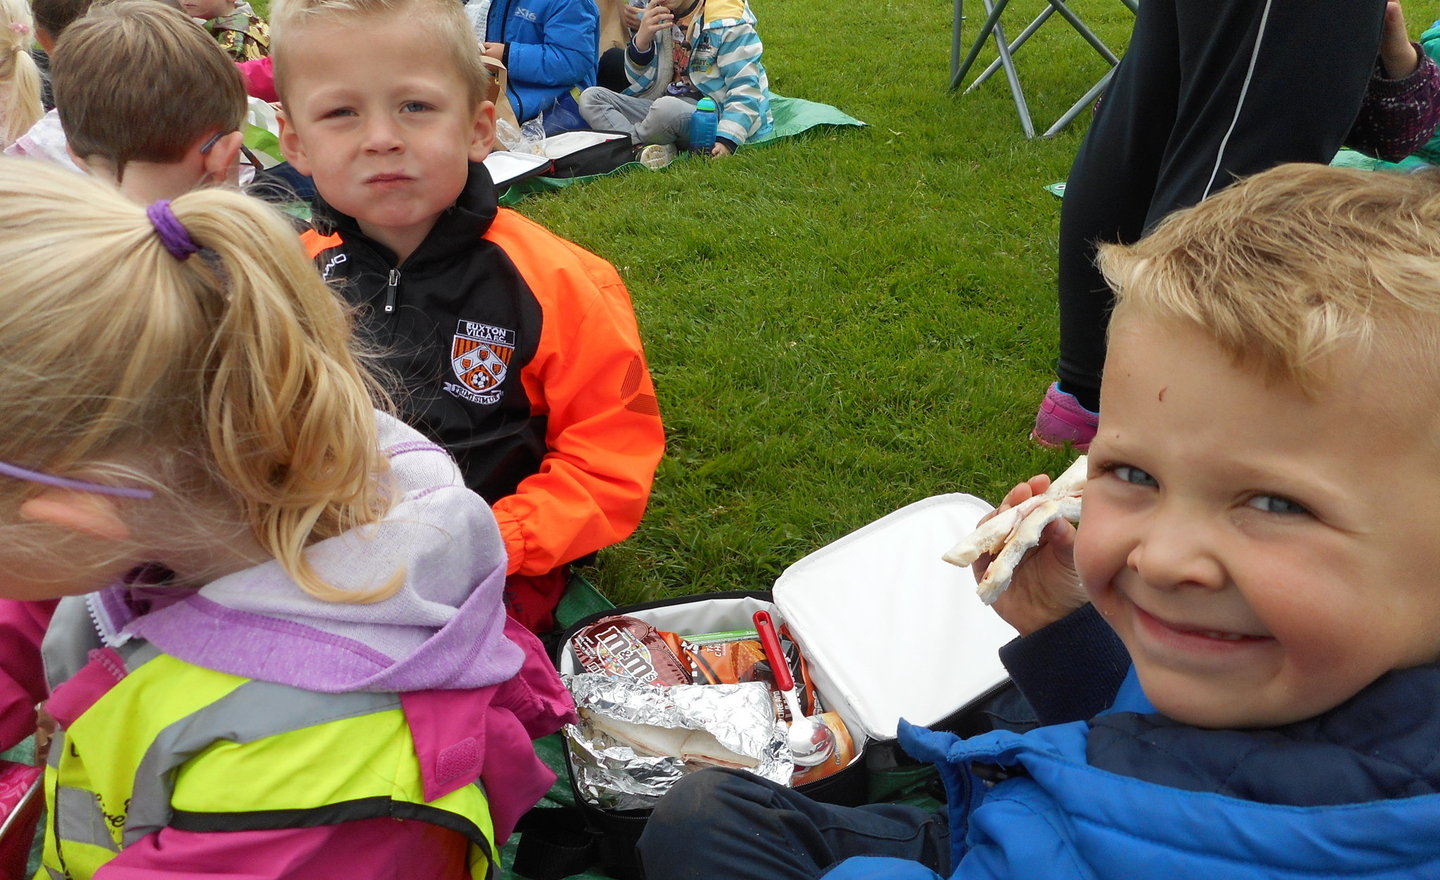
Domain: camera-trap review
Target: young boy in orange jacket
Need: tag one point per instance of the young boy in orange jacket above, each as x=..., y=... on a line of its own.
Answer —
x=516, y=349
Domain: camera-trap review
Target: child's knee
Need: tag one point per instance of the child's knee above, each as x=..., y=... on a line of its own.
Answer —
x=690, y=808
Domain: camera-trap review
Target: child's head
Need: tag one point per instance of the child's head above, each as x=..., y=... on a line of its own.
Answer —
x=137, y=81
x=188, y=350
x=207, y=9
x=1260, y=522
x=386, y=102
x=19, y=77
x=52, y=17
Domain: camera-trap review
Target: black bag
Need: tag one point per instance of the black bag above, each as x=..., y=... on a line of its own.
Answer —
x=863, y=608
x=587, y=152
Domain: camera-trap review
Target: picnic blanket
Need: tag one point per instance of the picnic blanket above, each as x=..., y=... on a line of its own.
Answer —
x=792, y=116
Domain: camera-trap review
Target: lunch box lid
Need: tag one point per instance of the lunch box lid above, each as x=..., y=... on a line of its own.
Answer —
x=891, y=630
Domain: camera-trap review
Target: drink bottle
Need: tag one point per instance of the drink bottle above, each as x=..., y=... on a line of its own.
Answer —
x=702, y=126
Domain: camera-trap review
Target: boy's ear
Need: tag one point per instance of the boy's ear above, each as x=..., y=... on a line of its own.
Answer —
x=290, y=145
x=484, y=134
x=223, y=160
x=84, y=512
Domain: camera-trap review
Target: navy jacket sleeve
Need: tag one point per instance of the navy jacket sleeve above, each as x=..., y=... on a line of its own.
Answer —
x=1069, y=670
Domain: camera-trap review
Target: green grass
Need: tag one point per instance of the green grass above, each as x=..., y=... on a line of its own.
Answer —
x=848, y=321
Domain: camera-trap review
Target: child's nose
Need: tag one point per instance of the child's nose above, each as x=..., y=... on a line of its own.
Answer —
x=382, y=135
x=1176, y=549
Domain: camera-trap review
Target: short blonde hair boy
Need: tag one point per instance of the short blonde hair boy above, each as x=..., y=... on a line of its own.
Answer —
x=138, y=80
x=1294, y=265
x=444, y=19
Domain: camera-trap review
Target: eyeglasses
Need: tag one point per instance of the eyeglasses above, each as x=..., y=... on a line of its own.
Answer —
x=29, y=476
x=214, y=139
x=209, y=145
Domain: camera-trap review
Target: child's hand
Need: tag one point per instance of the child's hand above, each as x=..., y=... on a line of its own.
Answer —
x=1045, y=586
x=630, y=17
x=656, y=17
x=719, y=150
x=1398, y=56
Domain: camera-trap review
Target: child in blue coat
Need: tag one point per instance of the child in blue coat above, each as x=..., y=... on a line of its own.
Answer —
x=1258, y=530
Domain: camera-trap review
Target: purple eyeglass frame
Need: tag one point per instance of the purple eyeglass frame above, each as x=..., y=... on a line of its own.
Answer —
x=29, y=476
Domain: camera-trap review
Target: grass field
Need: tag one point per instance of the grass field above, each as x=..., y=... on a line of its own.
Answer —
x=844, y=322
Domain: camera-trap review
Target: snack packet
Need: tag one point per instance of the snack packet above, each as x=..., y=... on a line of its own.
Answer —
x=631, y=648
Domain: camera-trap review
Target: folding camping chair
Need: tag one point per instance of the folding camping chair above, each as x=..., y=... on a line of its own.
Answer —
x=1006, y=49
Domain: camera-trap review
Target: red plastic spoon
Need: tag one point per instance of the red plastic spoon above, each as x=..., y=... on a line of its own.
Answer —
x=810, y=741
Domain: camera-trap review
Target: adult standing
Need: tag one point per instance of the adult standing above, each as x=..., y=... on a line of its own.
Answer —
x=1208, y=90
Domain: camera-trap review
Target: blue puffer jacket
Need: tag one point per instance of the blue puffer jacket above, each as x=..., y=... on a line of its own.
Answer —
x=553, y=46
x=1053, y=815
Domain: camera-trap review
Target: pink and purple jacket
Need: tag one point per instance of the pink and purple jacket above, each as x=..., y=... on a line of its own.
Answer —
x=475, y=687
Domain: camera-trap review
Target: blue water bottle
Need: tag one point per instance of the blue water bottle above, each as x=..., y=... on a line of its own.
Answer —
x=702, y=126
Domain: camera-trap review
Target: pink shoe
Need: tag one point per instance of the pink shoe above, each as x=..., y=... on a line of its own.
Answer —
x=1062, y=421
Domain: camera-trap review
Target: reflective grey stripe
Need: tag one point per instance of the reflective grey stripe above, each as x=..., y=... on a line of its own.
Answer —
x=54, y=874
x=137, y=653
x=79, y=819
x=57, y=748
x=251, y=712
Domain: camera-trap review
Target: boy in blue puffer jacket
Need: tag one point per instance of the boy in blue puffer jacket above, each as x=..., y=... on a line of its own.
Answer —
x=1258, y=530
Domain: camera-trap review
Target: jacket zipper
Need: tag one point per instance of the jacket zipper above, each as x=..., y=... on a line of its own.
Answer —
x=392, y=288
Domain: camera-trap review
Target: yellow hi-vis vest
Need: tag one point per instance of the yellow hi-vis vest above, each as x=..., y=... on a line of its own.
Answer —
x=174, y=744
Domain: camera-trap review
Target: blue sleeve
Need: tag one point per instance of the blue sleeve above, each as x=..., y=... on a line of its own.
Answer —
x=569, y=49
x=746, y=103
x=875, y=868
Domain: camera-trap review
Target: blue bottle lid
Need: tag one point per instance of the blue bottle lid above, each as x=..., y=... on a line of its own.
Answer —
x=704, y=104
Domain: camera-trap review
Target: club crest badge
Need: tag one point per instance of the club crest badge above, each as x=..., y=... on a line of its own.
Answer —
x=480, y=359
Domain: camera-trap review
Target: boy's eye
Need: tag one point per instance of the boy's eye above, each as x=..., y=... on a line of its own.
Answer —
x=1277, y=504
x=1131, y=474
x=337, y=112
x=415, y=107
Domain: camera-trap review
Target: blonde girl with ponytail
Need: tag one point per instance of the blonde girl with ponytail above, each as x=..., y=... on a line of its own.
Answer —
x=192, y=461
x=19, y=77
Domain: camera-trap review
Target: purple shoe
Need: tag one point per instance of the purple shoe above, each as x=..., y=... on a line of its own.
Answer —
x=1063, y=421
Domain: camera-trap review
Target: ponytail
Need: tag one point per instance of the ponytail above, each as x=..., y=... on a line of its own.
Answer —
x=232, y=353
x=20, y=105
x=289, y=414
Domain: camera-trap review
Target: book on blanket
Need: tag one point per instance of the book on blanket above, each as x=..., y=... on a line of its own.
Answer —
x=506, y=167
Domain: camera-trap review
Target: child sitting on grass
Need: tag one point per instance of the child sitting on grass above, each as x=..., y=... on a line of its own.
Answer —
x=517, y=349
x=681, y=51
x=233, y=23
x=19, y=77
x=279, y=648
x=147, y=100
x=1259, y=529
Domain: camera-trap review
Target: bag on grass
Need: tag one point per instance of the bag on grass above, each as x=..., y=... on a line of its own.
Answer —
x=586, y=152
x=889, y=631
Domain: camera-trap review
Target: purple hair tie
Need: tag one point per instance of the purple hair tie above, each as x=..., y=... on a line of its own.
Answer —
x=172, y=233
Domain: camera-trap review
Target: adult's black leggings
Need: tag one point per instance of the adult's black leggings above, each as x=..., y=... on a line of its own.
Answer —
x=1209, y=90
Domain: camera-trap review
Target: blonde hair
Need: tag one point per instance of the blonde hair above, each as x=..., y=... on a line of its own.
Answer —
x=226, y=376
x=444, y=21
x=20, y=105
x=139, y=80
x=1295, y=265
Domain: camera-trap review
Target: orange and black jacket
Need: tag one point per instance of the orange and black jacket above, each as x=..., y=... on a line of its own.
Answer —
x=518, y=351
